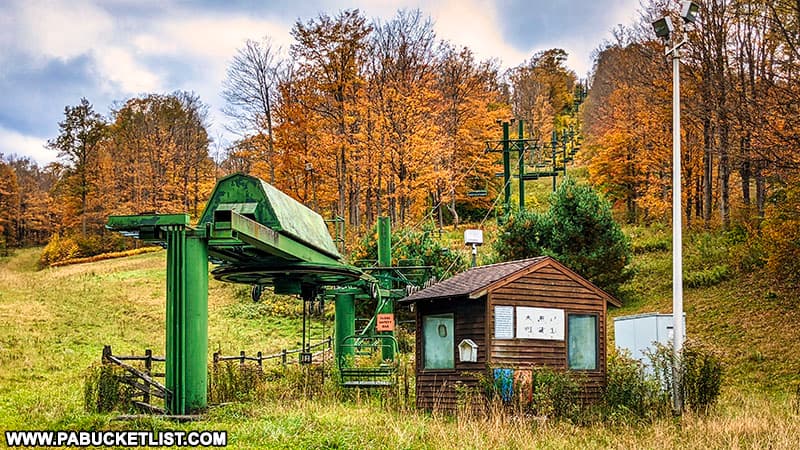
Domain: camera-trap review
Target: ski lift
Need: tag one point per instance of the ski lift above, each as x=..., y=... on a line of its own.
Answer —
x=478, y=192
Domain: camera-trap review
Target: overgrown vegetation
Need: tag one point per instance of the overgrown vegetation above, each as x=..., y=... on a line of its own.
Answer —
x=103, y=392
x=632, y=395
x=48, y=336
x=700, y=370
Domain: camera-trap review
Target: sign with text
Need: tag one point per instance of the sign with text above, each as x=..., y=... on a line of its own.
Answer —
x=540, y=323
x=385, y=322
x=503, y=322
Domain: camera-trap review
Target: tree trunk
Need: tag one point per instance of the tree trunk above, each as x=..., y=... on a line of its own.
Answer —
x=761, y=188
x=724, y=175
x=708, y=161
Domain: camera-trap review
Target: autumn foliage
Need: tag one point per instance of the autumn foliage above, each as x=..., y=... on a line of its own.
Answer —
x=362, y=118
x=739, y=123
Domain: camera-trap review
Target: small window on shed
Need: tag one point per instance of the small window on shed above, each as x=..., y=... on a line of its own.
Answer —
x=583, y=341
x=438, y=340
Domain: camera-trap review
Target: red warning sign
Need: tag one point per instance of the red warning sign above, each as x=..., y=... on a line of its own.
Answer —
x=385, y=322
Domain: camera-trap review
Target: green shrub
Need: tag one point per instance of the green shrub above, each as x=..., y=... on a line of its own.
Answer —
x=630, y=393
x=702, y=376
x=578, y=230
x=652, y=244
x=555, y=394
x=701, y=370
x=540, y=391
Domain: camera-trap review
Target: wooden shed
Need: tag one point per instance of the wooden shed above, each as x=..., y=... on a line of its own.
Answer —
x=516, y=315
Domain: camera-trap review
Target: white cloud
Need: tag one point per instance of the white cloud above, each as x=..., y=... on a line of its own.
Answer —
x=118, y=68
x=62, y=29
x=49, y=30
x=475, y=24
x=12, y=142
x=217, y=38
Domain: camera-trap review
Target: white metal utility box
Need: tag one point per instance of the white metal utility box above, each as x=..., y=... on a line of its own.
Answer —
x=637, y=333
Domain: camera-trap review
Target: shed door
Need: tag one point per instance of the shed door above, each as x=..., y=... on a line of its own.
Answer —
x=438, y=341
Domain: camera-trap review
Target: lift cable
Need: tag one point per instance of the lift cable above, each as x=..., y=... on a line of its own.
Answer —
x=430, y=213
x=488, y=213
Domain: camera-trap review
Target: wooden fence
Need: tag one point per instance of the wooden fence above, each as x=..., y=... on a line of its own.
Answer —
x=318, y=356
x=143, y=379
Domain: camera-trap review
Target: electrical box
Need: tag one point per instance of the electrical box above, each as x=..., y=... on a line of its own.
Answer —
x=473, y=237
x=638, y=333
x=468, y=351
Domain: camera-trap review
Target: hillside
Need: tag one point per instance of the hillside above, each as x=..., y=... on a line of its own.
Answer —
x=53, y=324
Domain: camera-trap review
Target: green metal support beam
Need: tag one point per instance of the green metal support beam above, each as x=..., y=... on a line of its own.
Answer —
x=345, y=318
x=187, y=320
x=385, y=260
x=506, y=171
x=521, y=167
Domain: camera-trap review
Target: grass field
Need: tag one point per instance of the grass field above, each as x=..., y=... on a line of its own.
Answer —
x=54, y=323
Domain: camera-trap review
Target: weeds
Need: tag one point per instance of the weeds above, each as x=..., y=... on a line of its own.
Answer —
x=630, y=393
x=104, y=392
x=701, y=372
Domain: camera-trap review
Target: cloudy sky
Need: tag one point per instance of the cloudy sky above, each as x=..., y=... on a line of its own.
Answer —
x=52, y=53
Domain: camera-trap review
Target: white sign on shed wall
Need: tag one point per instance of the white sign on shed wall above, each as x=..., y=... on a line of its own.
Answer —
x=503, y=322
x=540, y=323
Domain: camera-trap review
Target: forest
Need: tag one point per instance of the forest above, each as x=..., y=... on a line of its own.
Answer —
x=360, y=118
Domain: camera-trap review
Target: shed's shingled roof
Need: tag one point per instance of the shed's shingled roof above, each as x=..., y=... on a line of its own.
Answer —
x=472, y=280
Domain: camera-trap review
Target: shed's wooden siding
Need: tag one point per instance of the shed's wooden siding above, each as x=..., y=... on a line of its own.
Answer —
x=547, y=287
x=436, y=389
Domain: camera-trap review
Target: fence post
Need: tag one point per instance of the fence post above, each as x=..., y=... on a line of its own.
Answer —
x=216, y=359
x=283, y=357
x=106, y=353
x=241, y=357
x=148, y=366
x=260, y=365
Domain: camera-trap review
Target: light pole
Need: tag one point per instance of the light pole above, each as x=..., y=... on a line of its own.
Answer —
x=665, y=30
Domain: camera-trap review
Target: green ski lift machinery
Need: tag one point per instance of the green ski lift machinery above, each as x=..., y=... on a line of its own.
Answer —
x=257, y=235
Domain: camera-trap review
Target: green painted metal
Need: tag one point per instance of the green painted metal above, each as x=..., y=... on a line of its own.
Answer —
x=186, y=370
x=385, y=260
x=146, y=227
x=274, y=209
x=252, y=253
x=345, y=317
x=506, y=170
x=257, y=235
x=195, y=321
x=176, y=298
x=384, y=242
x=187, y=320
x=153, y=220
x=521, y=167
